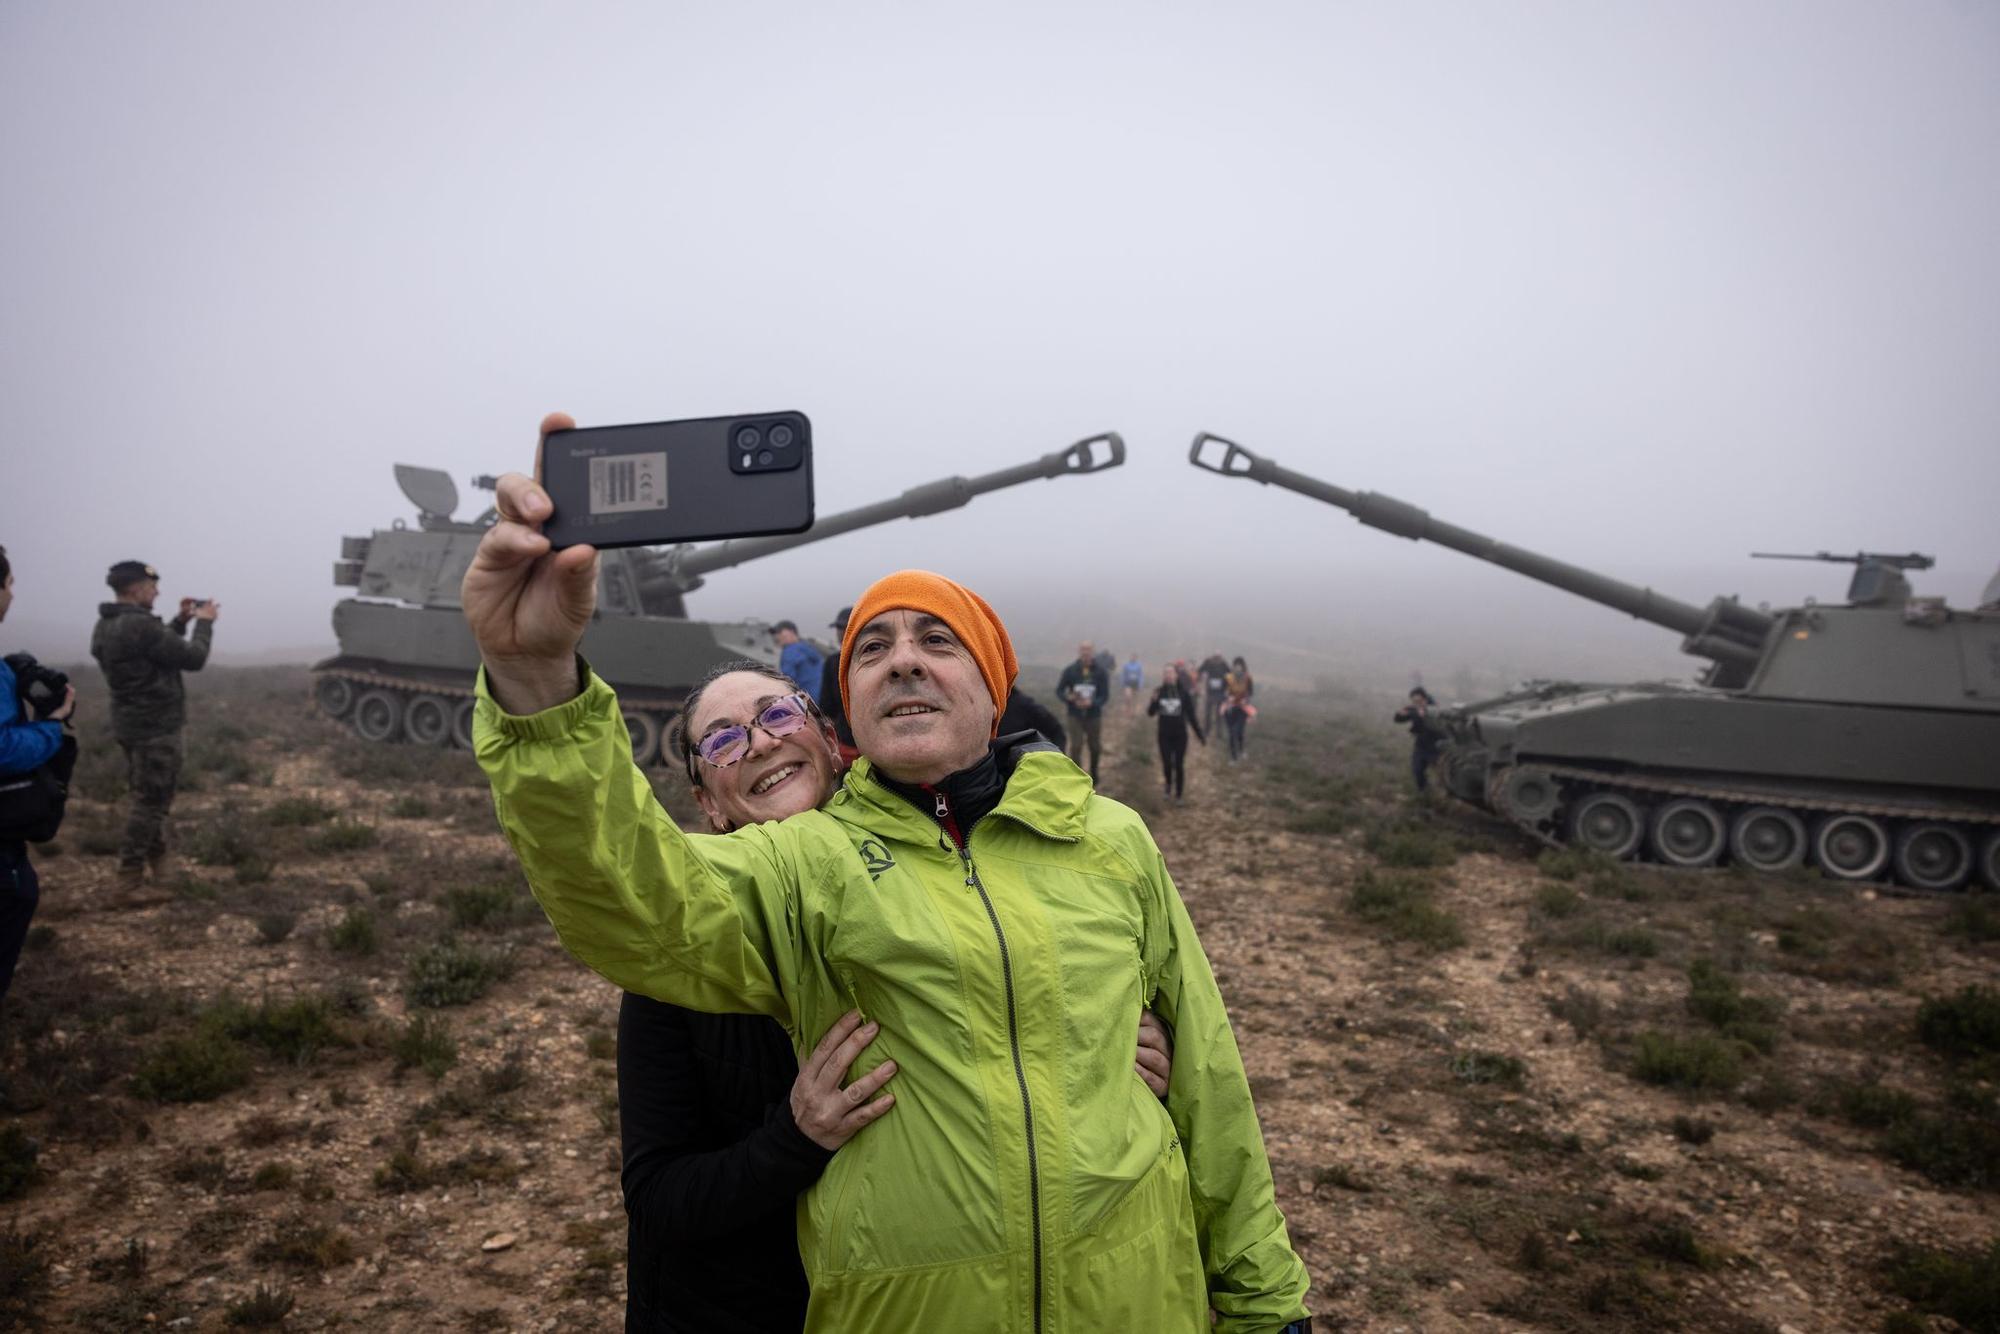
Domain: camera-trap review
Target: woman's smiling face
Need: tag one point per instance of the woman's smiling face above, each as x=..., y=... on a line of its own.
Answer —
x=778, y=776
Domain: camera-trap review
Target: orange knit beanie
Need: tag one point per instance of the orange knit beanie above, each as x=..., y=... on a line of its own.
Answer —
x=975, y=624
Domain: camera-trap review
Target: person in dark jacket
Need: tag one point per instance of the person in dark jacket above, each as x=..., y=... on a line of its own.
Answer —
x=1085, y=687
x=1175, y=706
x=25, y=745
x=1425, y=739
x=143, y=658
x=1212, y=679
x=1025, y=713
x=721, y=1128
x=828, y=695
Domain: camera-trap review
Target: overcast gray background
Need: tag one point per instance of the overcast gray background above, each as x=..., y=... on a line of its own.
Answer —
x=1644, y=286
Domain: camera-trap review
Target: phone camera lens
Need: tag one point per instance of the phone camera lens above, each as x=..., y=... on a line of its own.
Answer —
x=764, y=456
x=781, y=435
x=749, y=438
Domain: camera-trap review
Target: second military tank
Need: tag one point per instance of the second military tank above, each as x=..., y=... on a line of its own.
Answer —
x=1862, y=738
x=407, y=660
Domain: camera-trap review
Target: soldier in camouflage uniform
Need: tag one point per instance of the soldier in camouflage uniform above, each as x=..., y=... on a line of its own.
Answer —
x=143, y=658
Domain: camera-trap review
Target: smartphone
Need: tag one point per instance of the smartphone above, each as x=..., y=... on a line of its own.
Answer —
x=679, y=481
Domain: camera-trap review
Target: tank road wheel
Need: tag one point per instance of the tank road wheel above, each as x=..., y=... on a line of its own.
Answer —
x=1933, y=856
x=335, y=695
x=1607, y=822
x=644, y=729
x=1525, y=794
x=461, y=724
x=1687, y=833
x=1989, y=860
x=1463, y=769
x=427, y=720
x=1851, y=847
x=1765, y=838
x=378, y=715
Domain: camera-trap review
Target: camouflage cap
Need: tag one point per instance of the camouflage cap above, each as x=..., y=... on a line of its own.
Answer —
x=128, y=572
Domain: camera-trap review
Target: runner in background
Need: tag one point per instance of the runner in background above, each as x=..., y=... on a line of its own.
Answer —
x=1213, y=675
x=1134, y=676
x=1237, y=711
x=1175, y=706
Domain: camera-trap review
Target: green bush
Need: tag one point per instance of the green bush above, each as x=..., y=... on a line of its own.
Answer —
x=1974, y=920
x=1557, y=900
x=1875, y=1106
x=344, y=836
x=297, y=813
x=264, y=1308
x=1964, y=1285
x=294, y=1030
x=194, y=1067
x=1966, y=1024
x=1952, y=1145
x=478, y=907
x=1633, y=943
x=1400, y=906
x=354, y=933
x=275, y=924
x=303, y=1244
x=18, y=1154
x=225, y=841
x=1410, y=844
x=409, y=808
x=1699, y=1064
x=1716, y=997
x=450, y=973
x=1486, y=1067
x=426, y=1042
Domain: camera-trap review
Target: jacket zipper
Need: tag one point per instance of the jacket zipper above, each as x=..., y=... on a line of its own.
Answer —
x=972, y=881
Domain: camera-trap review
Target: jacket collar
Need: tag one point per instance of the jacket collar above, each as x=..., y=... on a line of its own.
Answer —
x=1045, y=793
x=106, y=610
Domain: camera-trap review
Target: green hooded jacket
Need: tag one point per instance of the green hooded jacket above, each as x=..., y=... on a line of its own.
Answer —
x=1026, y=1179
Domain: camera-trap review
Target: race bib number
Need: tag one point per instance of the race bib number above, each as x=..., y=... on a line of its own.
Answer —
x=1086, y=692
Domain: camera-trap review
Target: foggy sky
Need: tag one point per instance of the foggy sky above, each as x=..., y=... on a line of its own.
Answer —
x=1647, y=287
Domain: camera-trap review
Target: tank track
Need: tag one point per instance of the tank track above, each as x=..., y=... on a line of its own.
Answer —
x=1980, y=827
x=378, y=706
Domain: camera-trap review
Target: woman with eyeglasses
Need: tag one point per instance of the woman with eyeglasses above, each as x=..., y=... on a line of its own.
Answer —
x=720, y=1126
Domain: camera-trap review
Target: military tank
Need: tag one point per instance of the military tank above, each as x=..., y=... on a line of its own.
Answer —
x=407, y=660
x=1860, y=738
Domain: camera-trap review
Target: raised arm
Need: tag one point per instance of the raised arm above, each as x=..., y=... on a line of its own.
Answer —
x=707, y=926
x=1256, y=1281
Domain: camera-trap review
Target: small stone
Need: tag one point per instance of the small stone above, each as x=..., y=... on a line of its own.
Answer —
x=499, y=1241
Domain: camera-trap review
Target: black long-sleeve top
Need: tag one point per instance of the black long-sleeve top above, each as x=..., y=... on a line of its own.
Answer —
x=1024, y=712
x=713, y=1169
x=1176, y=709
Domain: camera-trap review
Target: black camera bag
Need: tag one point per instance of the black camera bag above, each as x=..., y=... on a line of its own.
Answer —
x=31, y=804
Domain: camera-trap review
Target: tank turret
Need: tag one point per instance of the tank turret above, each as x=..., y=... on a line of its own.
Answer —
x=407, y=660
x=1863, y=738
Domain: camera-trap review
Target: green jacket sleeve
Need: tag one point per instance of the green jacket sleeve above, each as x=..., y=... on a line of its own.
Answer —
x=706, y=922
x=1256, y=1282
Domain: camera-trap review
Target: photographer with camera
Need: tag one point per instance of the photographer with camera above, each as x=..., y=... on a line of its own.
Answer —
x=143, y=658
x=27, y=744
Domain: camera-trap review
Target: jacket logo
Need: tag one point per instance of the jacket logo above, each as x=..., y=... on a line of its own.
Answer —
x=875, y=857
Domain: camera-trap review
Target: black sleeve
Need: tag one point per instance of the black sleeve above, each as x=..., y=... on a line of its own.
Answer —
x=672, y=1190
x=1153, y=705
x=829, y=698
x=1045, y=722
x=1193, y=716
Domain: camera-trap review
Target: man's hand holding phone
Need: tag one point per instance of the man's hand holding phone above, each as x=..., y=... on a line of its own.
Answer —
x=528, y=605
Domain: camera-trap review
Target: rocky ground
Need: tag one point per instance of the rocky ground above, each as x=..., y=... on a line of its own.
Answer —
x=341, y=1074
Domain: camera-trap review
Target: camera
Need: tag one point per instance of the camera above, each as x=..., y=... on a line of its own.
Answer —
x=199, y=603
x=40, y=688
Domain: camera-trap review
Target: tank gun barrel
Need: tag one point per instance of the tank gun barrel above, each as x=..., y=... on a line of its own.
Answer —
x=681, y=568
x=1725, y=631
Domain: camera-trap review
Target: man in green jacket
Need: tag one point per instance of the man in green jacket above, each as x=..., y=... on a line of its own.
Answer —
x=143, y=658
x=1000, y=922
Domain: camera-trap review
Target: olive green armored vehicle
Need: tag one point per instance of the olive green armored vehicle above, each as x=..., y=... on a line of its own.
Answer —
x=407, y=660
x=1861, y=738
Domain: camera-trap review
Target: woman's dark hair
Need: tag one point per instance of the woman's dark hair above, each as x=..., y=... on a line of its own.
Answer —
x=678, y=739
x=5, y=568
x=1238, y=662
x=1419, y=690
